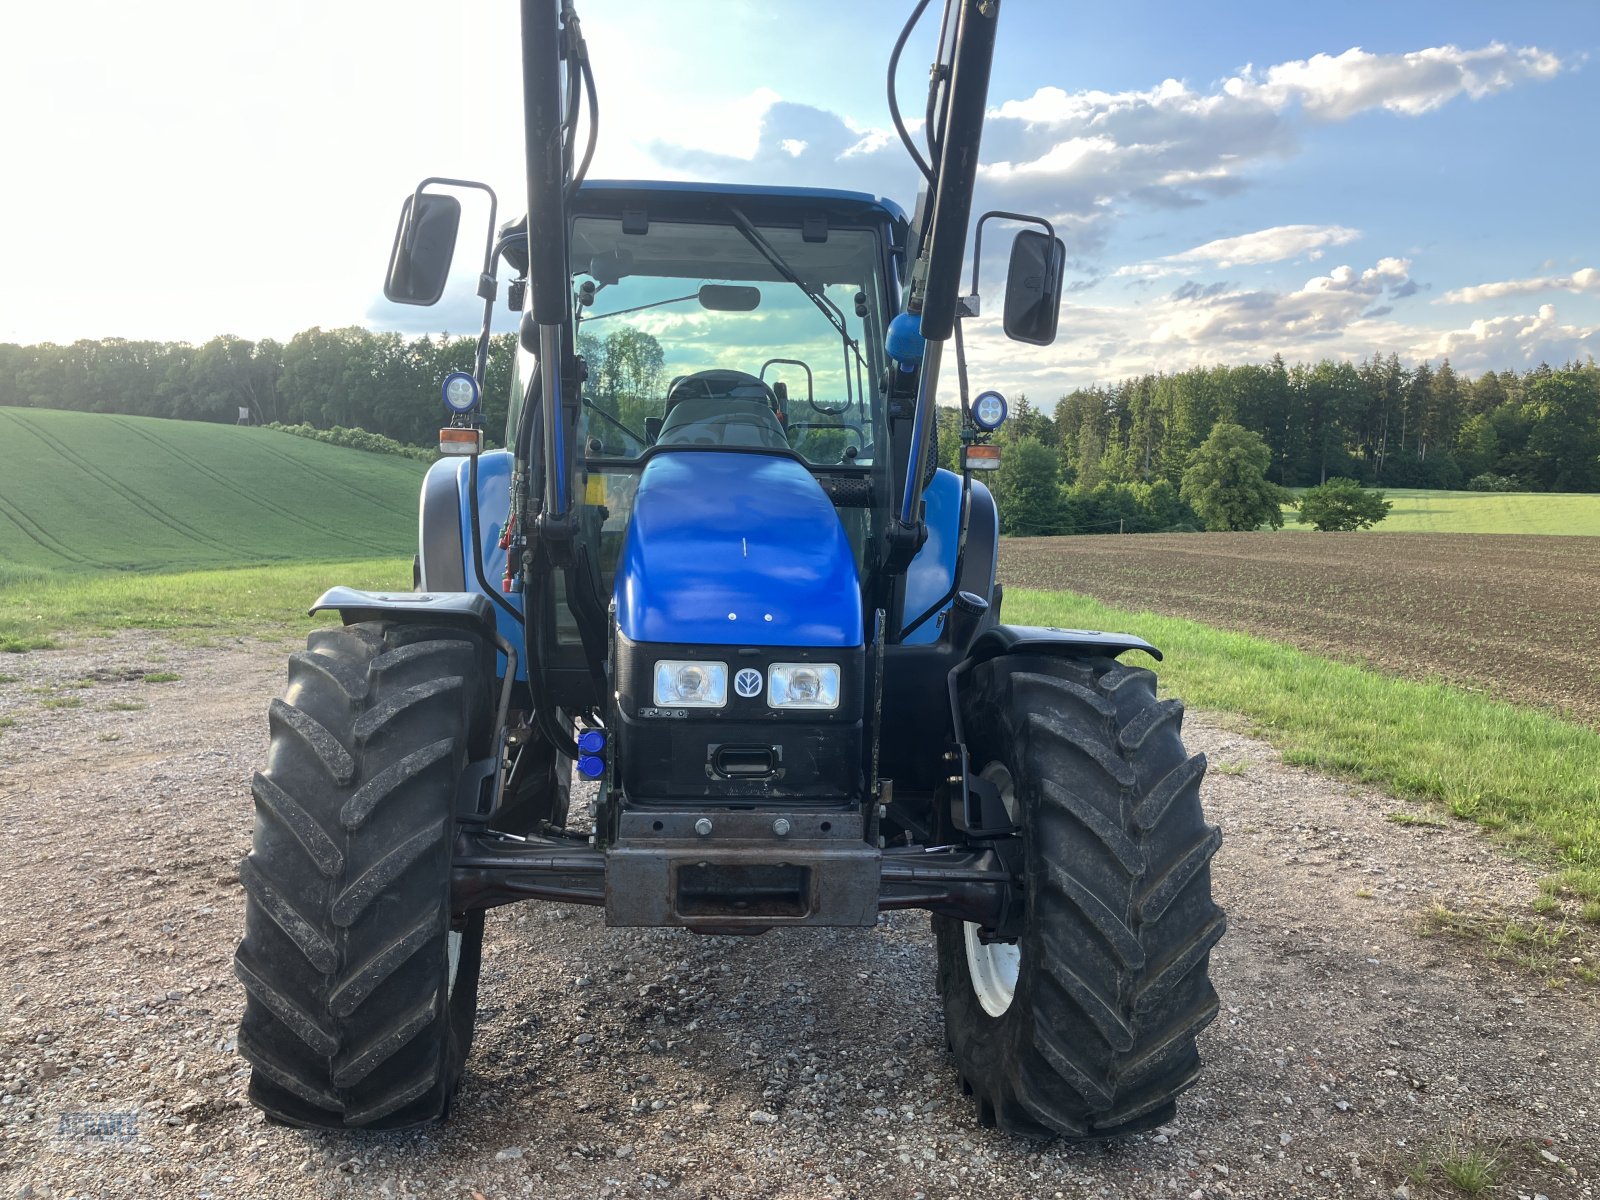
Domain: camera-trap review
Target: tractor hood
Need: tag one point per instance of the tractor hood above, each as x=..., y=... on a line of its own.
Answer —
x=736, y=549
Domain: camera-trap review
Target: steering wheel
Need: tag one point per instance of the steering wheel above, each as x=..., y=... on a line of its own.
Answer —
x=847, y=430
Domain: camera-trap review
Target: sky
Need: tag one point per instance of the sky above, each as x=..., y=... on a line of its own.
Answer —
x=1233, y=179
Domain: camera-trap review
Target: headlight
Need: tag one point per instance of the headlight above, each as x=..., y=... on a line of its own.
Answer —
x=803, y=685
x=692, y=684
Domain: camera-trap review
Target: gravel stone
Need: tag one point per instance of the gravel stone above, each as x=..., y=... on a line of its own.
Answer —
x=634, y=1063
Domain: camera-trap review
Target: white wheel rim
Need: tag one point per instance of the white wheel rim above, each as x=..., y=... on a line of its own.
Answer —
x=453, y=950
x=994, y=966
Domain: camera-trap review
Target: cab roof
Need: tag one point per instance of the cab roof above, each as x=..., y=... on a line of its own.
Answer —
x=605, y=192
x=669, y=199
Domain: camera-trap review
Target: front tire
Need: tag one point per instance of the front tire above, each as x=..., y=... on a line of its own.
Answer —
x=360, y=990
x=1085, y=1027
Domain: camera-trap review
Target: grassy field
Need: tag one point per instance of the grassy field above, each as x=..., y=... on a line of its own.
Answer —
x=97, y=492
x=1418, y=511
x=1513, y=769
x=35, y=613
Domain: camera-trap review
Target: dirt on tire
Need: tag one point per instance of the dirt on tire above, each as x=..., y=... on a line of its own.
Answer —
x=1353, y=1055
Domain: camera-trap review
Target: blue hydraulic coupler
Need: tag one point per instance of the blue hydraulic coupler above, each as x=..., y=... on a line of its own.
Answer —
x=904, y=341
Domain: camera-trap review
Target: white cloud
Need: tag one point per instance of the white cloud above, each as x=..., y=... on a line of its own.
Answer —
x=1329, y=86
x=1337, y=316
x=1249, y=249
x=1174, y=144
x=1336, y=87
x=1235, y=325
x=1087, y=154
x=1389, y=272
x=1083, y=158
x=1522, y=339
x=1585, y=280
x=1267, y=245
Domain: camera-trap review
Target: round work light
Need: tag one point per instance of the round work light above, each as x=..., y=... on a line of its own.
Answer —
x=460, y=392
x=989, y=411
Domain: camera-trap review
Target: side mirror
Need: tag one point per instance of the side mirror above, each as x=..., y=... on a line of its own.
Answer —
x=1033, y=288
x=424, y=244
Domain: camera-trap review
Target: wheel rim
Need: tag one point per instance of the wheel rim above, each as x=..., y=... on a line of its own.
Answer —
x=994, y=966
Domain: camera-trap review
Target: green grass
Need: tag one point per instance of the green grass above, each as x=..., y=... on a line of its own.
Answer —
x=93, y=492
x=1405, y=818
x=1532, y=777
x=1464, y=1167
x=246, y=600
x=1417, y=511
x=1553, y=949
x=112, y=522
x=162, y=677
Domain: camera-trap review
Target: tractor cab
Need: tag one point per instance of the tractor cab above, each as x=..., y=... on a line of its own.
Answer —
x=742, y=319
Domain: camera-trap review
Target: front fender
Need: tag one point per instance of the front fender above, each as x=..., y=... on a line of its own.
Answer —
x=1042, y=639
x=444, y=535
x=463, y=609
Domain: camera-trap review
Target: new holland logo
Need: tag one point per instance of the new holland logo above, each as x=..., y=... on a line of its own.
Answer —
x=747, y=682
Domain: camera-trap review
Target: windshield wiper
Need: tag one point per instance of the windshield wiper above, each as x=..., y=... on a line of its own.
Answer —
x=637, y=308
x=826, y=307
x=595, y=408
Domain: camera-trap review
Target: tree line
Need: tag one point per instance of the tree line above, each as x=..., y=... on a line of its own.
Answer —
x=381, y=382
x=1112, y=458
x=353, y=378
x=1108, y=458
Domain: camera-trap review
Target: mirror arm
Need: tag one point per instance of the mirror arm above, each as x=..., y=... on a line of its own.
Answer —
x=488, y=240
x=811, y=390
x=977, y=237
x=486, y=288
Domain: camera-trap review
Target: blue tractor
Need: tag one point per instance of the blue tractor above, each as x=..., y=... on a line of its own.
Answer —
x=716, y=572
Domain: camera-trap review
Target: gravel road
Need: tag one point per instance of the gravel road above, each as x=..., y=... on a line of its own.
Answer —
x=1350, y=1047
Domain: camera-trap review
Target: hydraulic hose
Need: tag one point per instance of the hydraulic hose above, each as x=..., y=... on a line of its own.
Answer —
x=477, y=542
x=894, y=101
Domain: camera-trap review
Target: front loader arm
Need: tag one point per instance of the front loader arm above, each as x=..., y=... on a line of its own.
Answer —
x=935, y=277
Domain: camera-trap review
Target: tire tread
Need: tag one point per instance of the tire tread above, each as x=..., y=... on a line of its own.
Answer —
x=346, y=1021
x=1101, y=1037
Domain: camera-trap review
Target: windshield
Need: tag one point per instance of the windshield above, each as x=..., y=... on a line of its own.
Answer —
x=731, y=336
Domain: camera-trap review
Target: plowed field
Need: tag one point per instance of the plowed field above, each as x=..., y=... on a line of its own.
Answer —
x=1516, y=617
